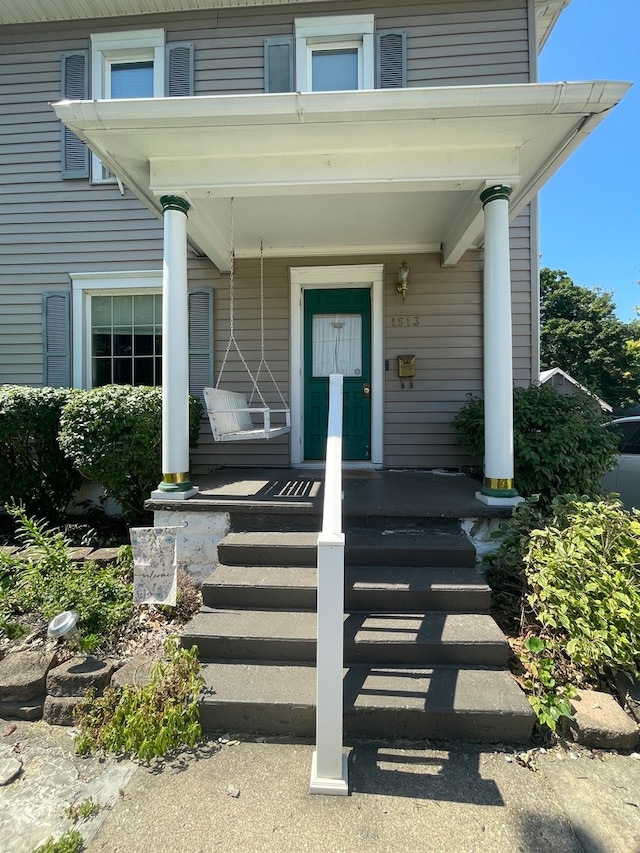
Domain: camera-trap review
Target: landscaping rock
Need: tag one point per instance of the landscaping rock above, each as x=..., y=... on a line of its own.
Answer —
x=9, y=769
x=59, y=710
x=75, y=676
x=23, y=675
x=599, y=722
x=28, y=710
x=135, y=672
x=104, y=556
x=629, y=693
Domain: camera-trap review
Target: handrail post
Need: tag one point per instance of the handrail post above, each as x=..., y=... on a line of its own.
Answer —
x=329, y=771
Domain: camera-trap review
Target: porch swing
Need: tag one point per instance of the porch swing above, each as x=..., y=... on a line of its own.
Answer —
x=230, y=415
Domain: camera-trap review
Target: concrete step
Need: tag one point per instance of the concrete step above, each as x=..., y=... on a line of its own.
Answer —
x=405, y=589
x=290, y=587
x=430, y=637
x=447, y=702
x=259, y=548
x=434, y=545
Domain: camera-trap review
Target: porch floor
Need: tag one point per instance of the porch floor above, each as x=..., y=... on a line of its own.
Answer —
x=399, y=493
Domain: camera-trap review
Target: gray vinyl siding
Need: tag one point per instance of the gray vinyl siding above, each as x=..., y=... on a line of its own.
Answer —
x=50, y=228
x=447, y=343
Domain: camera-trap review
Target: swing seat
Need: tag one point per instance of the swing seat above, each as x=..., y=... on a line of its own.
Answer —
x=230, y=417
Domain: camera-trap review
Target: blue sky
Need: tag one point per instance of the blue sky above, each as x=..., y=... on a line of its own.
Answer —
x=590, y=209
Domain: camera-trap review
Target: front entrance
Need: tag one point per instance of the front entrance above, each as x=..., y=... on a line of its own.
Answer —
x=353, y=295
x=337, y=339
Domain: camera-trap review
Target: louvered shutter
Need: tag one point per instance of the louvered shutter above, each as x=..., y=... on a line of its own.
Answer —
x=200, y=342
x=179, y=71
x=391, y=59
x=278, y=64
x=75, y=87
x=56, y=330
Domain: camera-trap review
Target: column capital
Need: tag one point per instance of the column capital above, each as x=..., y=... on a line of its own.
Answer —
x=500, y=191
x=174, y=202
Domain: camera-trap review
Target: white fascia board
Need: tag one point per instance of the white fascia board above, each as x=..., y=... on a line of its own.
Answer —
x=378, y=105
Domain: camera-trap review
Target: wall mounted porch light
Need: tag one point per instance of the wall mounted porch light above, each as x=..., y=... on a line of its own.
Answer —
x=403, y=279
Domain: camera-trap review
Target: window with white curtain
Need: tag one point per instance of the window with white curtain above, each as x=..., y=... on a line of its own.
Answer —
x=337, y=344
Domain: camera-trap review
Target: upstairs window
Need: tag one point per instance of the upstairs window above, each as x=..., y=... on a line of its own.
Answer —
x=125, y=65
x=334, y=54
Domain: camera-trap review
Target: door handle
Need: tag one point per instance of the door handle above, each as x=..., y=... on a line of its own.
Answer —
x=366, y=390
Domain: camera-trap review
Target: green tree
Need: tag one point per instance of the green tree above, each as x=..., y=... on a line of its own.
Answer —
x=581, y=334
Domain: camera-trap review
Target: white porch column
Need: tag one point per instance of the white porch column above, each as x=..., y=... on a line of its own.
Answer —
x=175, y=354
x=498, y=351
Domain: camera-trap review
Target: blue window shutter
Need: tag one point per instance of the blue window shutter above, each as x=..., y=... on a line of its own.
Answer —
x=56, y=331
x=278, y=64
x=391, y=59
x=200, y=342
x=75, y=87
x=179, y=70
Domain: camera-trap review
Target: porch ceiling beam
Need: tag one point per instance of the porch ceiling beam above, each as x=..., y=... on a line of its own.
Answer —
x=452, y=168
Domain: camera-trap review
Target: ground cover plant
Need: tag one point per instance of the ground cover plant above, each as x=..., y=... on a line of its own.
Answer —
x=149, y=721
x=567, y=588
x=43, y=580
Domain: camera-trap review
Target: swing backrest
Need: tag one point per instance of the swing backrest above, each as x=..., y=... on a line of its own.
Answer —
x=229, y=409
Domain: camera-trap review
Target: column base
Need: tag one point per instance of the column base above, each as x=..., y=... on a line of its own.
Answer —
x=499, y=499
x=174, y=491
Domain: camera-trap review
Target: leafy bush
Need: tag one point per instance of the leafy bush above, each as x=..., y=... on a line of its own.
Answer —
x=45, y=580
x=146, y=722
x=560, y=446
x=113, y=435
x=583, y=577
x=35, y=471
x=567, y=579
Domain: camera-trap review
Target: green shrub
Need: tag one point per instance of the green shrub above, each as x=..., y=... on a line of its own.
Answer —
x=146, y=722
x=566, y=578
x=113, y=435
x=560, y=446
x=46, y=581
x=583, y=578
x=35, y=471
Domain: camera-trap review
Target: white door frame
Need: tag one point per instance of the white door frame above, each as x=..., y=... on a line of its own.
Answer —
x=321, y=278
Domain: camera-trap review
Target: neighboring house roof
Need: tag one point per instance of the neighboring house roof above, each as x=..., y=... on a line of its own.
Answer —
x=12, y=12
x=547, y=375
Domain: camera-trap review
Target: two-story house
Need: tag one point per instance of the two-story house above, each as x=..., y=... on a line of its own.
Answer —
x=371, y=167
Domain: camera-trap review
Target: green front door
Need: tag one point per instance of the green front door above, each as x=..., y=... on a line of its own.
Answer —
x=337, y=339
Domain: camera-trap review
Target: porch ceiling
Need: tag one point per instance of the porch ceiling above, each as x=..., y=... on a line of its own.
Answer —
x=342, y=173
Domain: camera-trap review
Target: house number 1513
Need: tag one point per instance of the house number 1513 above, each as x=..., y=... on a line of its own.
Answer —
x=403, y=322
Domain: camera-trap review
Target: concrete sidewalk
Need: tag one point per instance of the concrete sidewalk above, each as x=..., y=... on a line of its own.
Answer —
x=253, y=796
x=247, y=795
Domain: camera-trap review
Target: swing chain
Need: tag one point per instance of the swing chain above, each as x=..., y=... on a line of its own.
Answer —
x=232, y=340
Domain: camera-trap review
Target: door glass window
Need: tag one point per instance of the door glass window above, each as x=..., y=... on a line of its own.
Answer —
x=337, y=344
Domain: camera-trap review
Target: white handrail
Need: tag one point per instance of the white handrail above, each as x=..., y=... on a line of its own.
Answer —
x=329, y=773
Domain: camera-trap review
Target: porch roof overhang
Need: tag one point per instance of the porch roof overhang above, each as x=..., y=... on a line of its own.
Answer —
x=342, y=173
